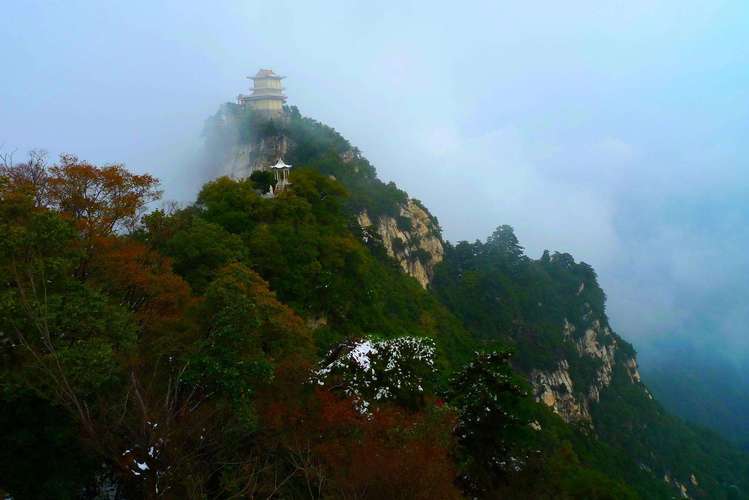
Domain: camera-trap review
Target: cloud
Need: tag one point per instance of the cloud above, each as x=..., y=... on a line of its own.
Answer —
x=491, y=179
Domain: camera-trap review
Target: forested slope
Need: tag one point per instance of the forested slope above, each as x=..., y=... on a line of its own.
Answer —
x=277, y=347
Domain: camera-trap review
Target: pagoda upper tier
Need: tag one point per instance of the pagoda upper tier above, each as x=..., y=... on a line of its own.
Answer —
x=267, y=93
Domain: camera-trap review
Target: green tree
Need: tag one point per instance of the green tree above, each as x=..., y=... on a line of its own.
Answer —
x=248, y=334
x=200, y=249
x=493, y=408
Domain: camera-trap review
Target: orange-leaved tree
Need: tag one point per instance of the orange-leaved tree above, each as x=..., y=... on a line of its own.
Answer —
x=99, y=200
x=75, y=296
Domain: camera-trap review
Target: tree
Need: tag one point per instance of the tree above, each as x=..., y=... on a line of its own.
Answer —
x=140, y=279
x=247, y=333
x=99, y=200
x=372, y=371
x=327, y=449
x=489, y=399
x=29, y=177
x=73, y=337
x=263, y=180
x=233, y=205
x=200, y=249
x=504, y=241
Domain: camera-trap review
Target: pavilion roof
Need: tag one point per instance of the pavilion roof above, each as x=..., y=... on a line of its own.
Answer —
x=280, y=164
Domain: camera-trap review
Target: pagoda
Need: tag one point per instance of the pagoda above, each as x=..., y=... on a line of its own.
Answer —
x=267, y=93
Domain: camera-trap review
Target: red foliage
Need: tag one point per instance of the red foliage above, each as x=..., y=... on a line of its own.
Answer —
x=99, y=200
x=141, y=279
x=391, y=453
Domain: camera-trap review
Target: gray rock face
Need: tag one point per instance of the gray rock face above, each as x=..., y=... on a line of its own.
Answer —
x=417, y=249
x=247, y=158
x=557, y=389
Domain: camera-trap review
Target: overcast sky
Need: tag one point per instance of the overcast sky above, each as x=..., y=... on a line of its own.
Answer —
x=613, y=130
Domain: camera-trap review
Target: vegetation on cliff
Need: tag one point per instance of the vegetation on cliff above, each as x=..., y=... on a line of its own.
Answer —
x=501, y=294
x=245, y=346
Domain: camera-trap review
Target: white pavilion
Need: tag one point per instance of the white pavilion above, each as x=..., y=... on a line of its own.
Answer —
x=281, y=173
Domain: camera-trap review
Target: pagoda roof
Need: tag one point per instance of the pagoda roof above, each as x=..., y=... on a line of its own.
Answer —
x=280, y=164
x=265, y=73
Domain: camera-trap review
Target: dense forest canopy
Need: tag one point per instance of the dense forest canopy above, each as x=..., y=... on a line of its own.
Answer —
x=254, y=346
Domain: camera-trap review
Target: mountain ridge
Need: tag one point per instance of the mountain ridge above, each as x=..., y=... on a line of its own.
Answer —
x=602, y=362
x=261, y=333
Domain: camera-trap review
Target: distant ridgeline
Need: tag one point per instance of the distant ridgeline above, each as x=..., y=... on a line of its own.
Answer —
x=550, y=311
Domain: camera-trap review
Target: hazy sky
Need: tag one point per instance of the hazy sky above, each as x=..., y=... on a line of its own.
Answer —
x=614, y=130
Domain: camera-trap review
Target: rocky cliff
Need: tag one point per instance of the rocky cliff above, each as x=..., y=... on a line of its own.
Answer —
x=412, y=237
x=551, y=310
x=413, y=240
x=244, y=159
x=594, y=346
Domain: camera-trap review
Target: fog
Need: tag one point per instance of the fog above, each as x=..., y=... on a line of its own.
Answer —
x=616, y=131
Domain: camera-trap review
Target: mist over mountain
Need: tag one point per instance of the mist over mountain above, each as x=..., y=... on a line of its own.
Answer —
x=701, y=386
x=613, y=133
